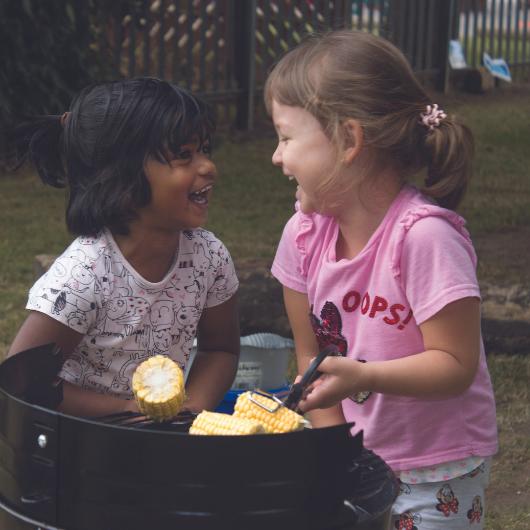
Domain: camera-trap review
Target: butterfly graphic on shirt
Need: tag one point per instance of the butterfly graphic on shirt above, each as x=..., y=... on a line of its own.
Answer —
x=59, y=304
x=408, y=521
x=447, y=500
x=475, y=514
x=328, y=331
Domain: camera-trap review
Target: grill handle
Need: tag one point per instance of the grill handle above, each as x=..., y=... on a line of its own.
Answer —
x=35, y=498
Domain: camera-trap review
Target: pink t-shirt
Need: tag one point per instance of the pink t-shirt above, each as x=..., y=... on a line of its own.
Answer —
x=418, y=260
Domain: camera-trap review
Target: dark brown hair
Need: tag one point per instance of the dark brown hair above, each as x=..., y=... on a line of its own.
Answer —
x=99, y=148
x=345, y=75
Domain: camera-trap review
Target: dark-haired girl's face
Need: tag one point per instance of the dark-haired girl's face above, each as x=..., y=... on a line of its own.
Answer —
x=180, y=189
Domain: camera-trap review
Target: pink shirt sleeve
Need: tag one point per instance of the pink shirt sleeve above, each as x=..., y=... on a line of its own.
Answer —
x=437, y=266
x=287, y=265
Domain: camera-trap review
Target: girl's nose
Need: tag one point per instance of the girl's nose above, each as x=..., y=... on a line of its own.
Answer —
x=277, y=157
x=207, y=167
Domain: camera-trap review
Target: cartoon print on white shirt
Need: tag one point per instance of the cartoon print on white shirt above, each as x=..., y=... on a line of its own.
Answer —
x=187, y=317
x=162, y=317
x=124, y=319
x=127, y=310
x=77, y=319
x=129, y=360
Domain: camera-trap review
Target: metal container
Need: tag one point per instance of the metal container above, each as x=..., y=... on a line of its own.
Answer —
x=262, y=363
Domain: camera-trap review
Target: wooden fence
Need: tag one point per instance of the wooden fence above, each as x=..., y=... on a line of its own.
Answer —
x=222, y=49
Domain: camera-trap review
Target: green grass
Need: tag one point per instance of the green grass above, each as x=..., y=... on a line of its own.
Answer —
x=32, y=223
x=499, y=195
x=252, y=201
x=509, y=492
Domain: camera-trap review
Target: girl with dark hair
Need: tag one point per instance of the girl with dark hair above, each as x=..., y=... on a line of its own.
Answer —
x=142, y=278
x=383, y=270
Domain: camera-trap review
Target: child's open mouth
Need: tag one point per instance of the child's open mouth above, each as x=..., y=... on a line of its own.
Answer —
x=200, y=196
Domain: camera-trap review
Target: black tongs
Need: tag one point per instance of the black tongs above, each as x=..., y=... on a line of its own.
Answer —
x=297, y=390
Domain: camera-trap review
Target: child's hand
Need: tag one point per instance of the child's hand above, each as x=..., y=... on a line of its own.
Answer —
x=130, y=405
x=341, y=378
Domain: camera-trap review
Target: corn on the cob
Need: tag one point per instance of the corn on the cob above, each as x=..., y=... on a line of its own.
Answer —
x=218, y=423
x=281, y=420
x=158, y=387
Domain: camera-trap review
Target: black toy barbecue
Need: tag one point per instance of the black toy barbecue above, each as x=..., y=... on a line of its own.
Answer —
x=125, y=472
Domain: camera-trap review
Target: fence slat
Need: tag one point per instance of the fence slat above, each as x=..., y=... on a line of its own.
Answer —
x=383, y=20
x=492, y=27
x=429, y=61
x=327, y=19
x=420, y=41
x=466, y=33
x=475, y=33
x=483, y=32
x=161, y=43
x=132, y=44
x=175, y=59
x=524, y=41
x=244, y=43
x=371, y=16
x=216, y=34
x=202, y=50
x=516, y=36
x=508, y=32
x=146, y=40
x=189, y=44
x=501, y=21
x=412, y=32
x=360, y=16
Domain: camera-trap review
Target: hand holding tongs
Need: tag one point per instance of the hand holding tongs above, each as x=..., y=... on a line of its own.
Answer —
x=297, y=390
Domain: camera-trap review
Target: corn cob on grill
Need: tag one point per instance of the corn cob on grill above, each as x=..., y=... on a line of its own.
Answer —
x=158, y=387
x=281, y=420
x=218, y=423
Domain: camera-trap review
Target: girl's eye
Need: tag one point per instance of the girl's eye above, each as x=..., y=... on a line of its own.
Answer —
x=284, y=139
x=185, y=154
x=206, y=149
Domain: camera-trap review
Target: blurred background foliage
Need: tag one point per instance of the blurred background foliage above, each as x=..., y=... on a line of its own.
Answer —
x=47, y=54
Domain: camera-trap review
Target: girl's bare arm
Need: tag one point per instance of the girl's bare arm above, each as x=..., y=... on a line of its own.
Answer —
x=39, y=329
x=215, y=364
x=306, y=347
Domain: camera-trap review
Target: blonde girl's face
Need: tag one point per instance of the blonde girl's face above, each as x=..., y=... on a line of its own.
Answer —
x=304, y=153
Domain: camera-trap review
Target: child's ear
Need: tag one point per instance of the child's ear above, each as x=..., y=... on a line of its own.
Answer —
x=354, y=138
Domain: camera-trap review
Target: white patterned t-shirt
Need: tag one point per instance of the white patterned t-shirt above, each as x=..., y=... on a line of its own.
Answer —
x=92, y=289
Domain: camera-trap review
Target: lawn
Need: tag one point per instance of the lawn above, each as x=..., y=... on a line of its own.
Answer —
x=251, y=204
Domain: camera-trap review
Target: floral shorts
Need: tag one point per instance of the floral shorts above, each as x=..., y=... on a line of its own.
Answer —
x=454, y=504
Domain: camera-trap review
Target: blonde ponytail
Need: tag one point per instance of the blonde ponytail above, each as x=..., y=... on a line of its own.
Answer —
x=449, y=152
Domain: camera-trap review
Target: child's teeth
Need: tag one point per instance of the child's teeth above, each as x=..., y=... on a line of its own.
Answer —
x=291, y=177
x=200, y=196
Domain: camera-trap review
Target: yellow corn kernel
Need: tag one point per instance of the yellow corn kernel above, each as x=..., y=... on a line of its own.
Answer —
x=218, y=423
x=158, y=387
x=281, y=420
